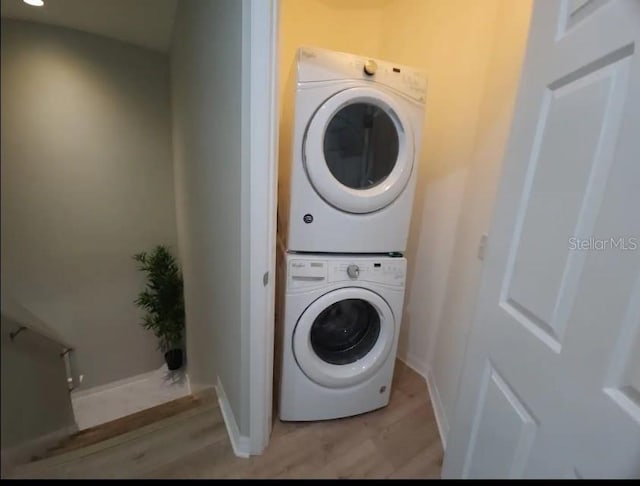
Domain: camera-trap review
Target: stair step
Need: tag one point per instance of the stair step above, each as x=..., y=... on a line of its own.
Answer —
x=96, y=452
x=122, y=425
x=137, y=453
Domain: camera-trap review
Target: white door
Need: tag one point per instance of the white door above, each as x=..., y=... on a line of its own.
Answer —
x=551, y=384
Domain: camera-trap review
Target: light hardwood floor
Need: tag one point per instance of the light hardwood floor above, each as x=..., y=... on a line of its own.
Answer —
x=399, y=441
x=103, y=432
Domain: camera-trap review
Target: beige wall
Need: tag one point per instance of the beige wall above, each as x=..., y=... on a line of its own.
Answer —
x=451, y=41
x=485, y=163
x=343, y=25
x=472, y=52
x=86, y=182
x=206, y=77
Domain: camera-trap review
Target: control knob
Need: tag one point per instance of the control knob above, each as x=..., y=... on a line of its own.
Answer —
x=353, y=271
x=370, y=67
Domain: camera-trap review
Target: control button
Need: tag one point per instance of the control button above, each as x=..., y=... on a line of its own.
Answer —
x=370, y=67
x=353, y=271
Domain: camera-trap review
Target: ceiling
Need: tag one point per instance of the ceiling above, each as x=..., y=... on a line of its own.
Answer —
x=145, y=23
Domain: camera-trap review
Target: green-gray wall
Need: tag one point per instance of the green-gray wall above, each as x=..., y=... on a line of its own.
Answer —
x=87, y=181
x=206, y=85
x=35, y=398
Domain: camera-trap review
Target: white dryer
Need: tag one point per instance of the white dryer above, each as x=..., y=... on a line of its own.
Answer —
x=338, y=334
x=349, y=170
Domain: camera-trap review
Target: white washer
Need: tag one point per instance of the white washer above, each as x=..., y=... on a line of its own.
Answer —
x=337, y=334
x=349, y=174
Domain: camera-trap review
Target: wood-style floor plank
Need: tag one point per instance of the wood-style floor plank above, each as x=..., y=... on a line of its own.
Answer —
x=119, y=426
x=398, y=441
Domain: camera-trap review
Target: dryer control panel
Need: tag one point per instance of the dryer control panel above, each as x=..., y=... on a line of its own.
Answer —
x=308, y=273
x=316, y=64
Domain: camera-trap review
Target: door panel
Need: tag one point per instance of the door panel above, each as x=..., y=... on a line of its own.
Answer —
x=623, y=382
x=501, y=418
x=558, y=311
x=573, y=149
x=630, y=382
x=577, y=11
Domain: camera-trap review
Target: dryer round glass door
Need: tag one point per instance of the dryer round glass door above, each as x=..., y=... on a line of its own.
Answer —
x=343, y=337
x=358, y=150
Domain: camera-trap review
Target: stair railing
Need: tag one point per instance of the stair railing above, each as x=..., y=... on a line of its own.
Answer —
x=27, y=321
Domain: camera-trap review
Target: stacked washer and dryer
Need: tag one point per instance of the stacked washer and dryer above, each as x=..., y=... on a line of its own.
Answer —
x=345, y=206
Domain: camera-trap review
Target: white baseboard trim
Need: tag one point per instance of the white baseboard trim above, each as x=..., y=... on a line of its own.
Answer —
x=20, y=454
x=241, y=444
x=415, y=363
x=438, y=408
x=424, y=370
x=83, y=392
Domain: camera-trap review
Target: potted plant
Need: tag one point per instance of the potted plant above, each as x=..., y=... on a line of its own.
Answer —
x=163, y=301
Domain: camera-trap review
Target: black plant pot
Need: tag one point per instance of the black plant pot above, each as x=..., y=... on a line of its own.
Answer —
x=173, y=357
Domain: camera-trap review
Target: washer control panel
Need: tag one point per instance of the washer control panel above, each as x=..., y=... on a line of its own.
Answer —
x=390, y=271
x=308, y=272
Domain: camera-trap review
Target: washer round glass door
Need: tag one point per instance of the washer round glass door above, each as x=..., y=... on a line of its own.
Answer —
x=358, y=150
x=343, y=337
